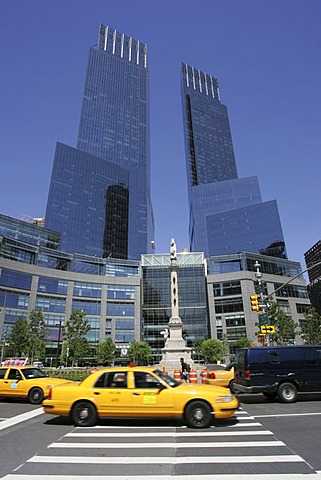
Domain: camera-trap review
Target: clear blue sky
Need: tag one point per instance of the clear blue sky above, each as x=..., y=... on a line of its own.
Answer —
x=266, y=55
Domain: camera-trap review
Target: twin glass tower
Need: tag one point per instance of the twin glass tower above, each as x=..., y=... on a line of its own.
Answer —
x=100, y=199
x=99, y=196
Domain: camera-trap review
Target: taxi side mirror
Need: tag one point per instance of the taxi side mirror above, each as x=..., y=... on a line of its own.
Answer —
x=161, y=387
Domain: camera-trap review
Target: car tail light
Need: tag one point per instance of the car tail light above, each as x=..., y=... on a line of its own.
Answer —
x=50, y=393
x=212, y=375
x=247, y=374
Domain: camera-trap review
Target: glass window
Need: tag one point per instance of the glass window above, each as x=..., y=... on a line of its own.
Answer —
x=9, y=278
x=124, y=336
x=82, y=289
x=52, y=285
x=302, y=307
x=229, y=305
x=91, y=308
x=51, y=304
x=226, y=288
x=121, y=292
x=124, y=324
x=297, y=291
x=117, y=309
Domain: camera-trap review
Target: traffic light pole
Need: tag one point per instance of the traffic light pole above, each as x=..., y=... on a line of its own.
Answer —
x=262, y=304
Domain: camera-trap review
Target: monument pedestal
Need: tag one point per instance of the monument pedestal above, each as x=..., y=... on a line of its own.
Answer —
x=175, y=347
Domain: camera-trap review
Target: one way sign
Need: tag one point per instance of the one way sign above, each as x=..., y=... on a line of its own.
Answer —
x=266, y=329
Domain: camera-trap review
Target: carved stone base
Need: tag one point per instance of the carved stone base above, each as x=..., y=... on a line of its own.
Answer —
x=175, y=347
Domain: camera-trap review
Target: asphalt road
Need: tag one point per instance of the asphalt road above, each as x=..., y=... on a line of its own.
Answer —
x=267, y=440
x=298, y=424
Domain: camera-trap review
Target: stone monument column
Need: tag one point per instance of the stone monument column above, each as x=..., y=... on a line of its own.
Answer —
x=175, y=346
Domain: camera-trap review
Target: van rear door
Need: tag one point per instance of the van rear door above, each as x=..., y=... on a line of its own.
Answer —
x=311, y=380
x=240, y=365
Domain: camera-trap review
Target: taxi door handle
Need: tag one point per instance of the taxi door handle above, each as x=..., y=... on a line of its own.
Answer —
x=96, y=393
x=136, y=393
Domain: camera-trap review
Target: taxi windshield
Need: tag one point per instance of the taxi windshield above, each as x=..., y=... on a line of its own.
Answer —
x=167, y=378
x=33, y=373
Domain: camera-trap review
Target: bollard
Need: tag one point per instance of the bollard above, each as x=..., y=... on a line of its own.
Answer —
x=177, y=375
x=203, y=375
x=193, y=376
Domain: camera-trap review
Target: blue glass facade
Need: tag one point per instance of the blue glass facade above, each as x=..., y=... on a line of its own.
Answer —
x=227, y=214
x=88, y=199
x=116, y=219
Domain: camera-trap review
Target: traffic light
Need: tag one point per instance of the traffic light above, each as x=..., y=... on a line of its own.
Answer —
x=255, y=303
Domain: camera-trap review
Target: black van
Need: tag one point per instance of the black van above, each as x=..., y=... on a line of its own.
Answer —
x=278, y=371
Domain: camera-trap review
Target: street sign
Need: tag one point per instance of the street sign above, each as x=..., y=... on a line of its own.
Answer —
x=263, y=319
x=259, y=288
x=266, y=329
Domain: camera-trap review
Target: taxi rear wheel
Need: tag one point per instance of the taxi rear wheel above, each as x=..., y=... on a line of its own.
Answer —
x=198, y=415
x=35, y=395
x=84, y=414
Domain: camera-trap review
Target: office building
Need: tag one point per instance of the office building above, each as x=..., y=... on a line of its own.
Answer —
x=227, y=214
x=230, y=284
x=129, y=300
x=156, y=298
x=99, y=197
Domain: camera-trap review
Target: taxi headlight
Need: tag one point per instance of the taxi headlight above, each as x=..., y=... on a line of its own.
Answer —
x=224, y=399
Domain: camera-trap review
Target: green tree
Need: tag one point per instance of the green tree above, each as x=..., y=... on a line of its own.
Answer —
x=243, y=342
x=106, y=352
x=76, y=346
x=18, y=339
x=226, y=347
x=286, y=328
x=140, y=352
x=37, y=343
x=311, y=327
x=211, y=350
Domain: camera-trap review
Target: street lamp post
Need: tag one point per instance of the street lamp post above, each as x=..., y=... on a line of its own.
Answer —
x=3, y=344
x=58, y=343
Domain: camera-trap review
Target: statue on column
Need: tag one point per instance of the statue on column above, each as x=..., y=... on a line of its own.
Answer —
x=173, y=250
x=175, y=346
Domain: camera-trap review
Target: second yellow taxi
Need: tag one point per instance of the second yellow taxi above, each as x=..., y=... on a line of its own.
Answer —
x=119, y=392
x=221, y=377
x=26, y=382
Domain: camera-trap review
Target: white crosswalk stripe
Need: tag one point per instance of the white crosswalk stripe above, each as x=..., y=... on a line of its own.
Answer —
x=234, y=450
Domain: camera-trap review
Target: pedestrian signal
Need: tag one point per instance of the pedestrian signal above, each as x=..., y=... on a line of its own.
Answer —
x=255, y=303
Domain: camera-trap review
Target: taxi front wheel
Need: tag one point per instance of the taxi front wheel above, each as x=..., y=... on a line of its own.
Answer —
x=84, y=414
x=198, y=415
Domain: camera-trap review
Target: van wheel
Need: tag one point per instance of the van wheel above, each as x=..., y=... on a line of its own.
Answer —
x=287, y=393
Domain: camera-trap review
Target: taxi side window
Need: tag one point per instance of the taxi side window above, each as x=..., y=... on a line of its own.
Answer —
x=14, y=374
x=117, y=380
x=145, y=380
x=2, y=373
x=101, y=382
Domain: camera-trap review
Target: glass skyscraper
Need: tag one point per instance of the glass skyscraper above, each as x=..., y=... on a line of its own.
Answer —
x=99, y=198
x=227, y=214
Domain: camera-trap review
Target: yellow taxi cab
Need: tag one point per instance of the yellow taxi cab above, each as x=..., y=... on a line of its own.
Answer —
x=26, y=382
x=221, y=377
x=139, y=392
